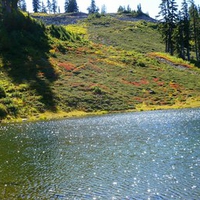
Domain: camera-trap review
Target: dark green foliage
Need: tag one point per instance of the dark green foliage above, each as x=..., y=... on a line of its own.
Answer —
x=168, y=13
x=180, y=31
x=195, y=28
x=36, y=5
x=2, y=92
x=121, y=9
x=3, y=111
x=71, y=6
x=22, y=5
x=54, y=6
x=93, y=8
x=8, y=6
x=18, y=30
x=61, y=33
x=24, y=58
x=49, y=6
x=43, y=8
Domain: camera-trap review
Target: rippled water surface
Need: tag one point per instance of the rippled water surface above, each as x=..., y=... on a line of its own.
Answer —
x=139, y=156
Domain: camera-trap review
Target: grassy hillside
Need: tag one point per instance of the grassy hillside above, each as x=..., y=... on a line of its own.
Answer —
x=99, y=64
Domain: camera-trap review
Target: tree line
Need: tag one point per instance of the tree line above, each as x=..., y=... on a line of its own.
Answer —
x=180, y=29
x=52, y=7
x=49, y=7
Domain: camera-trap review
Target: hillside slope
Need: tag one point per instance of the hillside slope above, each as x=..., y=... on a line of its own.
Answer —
x=99, y=64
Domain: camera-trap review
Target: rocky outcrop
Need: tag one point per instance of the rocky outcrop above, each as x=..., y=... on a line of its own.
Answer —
x=72, y=18
x=61, y=19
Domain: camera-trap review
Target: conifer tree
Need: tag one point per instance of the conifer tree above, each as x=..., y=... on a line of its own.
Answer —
x=168, y=13
x=103, y=9
x=71, y=6
x=66, y=5
x=43, y=8
x=120, y=9
x=93, y=8
x=49, y=7
x=8, y=5
x=185, y=19
x=54, y=6
x=195, y=27
x=36, y=6
x=22, y=5
x=128, y=9
x=178, y=37
x=139, y=9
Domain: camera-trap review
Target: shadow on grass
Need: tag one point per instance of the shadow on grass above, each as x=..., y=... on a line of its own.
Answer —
x=196, y=63
x=24, y=50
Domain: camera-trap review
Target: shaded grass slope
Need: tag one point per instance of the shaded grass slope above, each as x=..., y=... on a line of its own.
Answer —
x=100, y=64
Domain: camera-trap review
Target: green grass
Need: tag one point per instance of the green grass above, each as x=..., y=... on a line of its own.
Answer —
x=140, y=36
x=89, y=67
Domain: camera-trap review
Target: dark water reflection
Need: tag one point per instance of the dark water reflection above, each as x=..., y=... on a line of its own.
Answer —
x=139, y=156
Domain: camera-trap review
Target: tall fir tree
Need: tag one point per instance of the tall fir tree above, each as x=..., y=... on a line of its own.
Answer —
x=43, y=8
x=169, y=15
x=66, y=5
x=178, y=37
x=36, y=6
x=195, y=29
x=71, y=6
x=103, y=9
x=22, y=5
x=185, y=19
x=120, y=9
x=8, y=5
x=93, y=8
x=49, y=7
x=54, y=6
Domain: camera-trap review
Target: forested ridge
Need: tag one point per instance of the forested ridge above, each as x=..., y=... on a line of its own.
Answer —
x=103, y=63
x=180, y=28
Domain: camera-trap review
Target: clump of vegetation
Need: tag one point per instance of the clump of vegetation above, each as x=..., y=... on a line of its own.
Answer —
x=2, y=92
x=61, y=33
x=3, y=111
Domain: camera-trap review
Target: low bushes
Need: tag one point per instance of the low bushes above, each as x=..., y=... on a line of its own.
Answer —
x=3, y=111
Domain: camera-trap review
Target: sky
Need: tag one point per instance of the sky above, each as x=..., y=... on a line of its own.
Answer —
x=148, y=6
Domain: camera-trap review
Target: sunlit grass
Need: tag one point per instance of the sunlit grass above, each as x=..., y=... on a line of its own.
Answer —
x=173, y=59
x=105, y=65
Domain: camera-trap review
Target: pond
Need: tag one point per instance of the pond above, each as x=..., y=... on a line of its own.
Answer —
x=137, y=156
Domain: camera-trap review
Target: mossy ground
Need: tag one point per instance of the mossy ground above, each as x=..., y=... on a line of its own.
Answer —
x=97, y=66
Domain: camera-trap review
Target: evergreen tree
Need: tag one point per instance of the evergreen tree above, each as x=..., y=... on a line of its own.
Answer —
x=168, y=23
x=103, y=9
x=93, y=8
x=49, y=8
x=9, y=5
x=178, y=37
x=139, y=9
x=128, y=10
x=120, y=9
x=194, y=22
x=164, y=23
x=54, y=6
x=66, y=5
x=36, y=6
x=185, y=19
x=43, y=8
x=22, y=5
x=71, y=6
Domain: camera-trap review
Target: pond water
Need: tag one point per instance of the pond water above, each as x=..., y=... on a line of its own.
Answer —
x=136, y=156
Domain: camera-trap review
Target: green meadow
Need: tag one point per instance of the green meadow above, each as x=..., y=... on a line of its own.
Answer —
x=99, y=65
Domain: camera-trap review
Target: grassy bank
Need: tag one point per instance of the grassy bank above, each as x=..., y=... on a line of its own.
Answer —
x=99, y=65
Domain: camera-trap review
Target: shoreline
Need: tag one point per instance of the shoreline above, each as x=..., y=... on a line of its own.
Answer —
x=76, y=113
